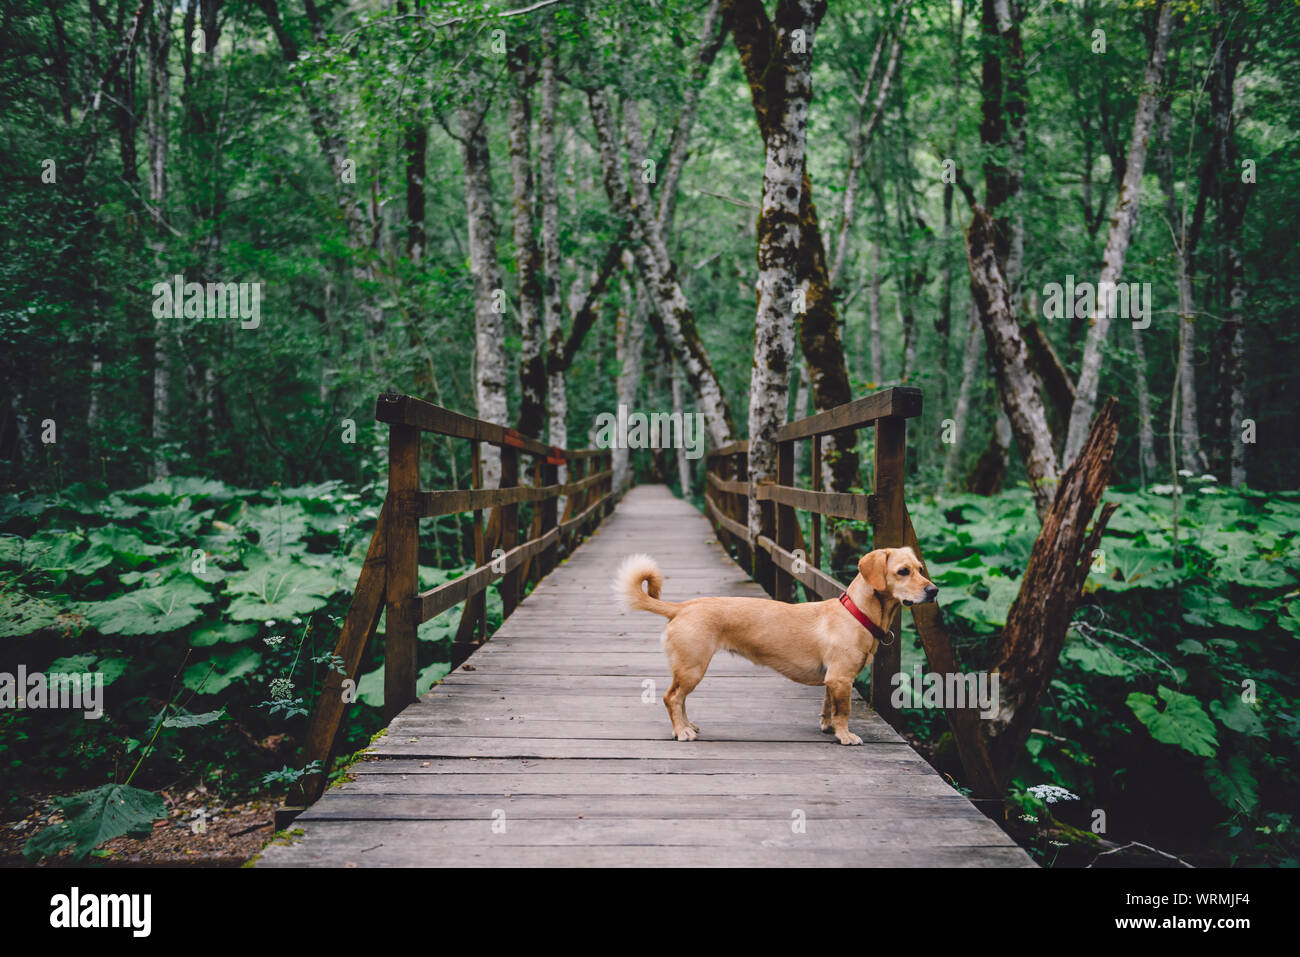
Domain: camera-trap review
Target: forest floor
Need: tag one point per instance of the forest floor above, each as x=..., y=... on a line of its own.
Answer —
x=231, y=833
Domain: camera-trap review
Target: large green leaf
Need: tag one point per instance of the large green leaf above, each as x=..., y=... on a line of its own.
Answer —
x=1098, y=661
x=1183, y=722
x=1232, y=784
x=188, y=720
x=96, y=816
x=219, y=672
x=111, y=668
x=21, y=614
x=221, y=631
x=278, y=590
x=126, y=544
x=149, y=611
x=281, y=529
x=63, y=552
x=1238, y=716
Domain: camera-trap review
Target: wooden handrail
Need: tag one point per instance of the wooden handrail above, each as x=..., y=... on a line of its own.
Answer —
x=389, y=577
x=898, y=403
x=771, y=556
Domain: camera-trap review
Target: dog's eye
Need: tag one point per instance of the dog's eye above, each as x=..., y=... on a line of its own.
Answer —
x=904, y=572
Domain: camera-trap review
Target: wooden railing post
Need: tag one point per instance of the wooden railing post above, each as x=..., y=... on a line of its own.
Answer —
x=550, y=476
x=816, y=476
x=786, y=524
x=402, y=615
x=510, y=584
x=888, y=531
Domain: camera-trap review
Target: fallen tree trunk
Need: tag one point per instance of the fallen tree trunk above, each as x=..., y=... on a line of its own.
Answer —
x=1040, y=616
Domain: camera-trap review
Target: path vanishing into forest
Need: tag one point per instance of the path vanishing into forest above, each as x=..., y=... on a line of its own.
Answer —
x=551, y=747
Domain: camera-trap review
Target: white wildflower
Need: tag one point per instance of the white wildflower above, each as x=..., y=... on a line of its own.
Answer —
x=1051, y=793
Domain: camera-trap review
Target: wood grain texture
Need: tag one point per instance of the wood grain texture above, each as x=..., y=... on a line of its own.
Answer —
x=556, y=750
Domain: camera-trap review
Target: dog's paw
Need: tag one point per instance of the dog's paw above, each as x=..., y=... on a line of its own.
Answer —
x=848, y=737
x=693, y=726
x=687, y=734
x=825, y=726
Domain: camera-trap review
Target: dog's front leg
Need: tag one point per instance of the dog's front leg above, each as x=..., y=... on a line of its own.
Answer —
x=827, y=706
x=840, y=691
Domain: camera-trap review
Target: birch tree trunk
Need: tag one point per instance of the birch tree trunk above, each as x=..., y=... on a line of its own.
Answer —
x=778, y=244
x=628, y=342
x=489, y=292
x=1122, y=225
x=683, y=463
x=873, y=301
x=819, y=326
x=1232, y=196
x=1018, y=383
x=661, y=283
x=158, y=41
x=532, y=340
x=970, y=363
x=557, y=401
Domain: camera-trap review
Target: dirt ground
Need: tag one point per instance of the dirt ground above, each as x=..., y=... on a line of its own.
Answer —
x=223, y=835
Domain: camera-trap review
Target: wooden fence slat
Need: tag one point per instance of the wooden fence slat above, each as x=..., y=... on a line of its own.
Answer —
x=837, y=504
x=891, y=451
x=401, y=617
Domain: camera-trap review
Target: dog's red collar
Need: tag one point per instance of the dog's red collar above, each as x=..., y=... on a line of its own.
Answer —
x=882, y=636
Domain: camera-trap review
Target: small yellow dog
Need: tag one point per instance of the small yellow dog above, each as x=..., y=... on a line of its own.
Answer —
x=816, y=643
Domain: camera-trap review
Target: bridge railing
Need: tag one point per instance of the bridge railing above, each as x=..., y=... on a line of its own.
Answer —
x=779, y=558
x=389, y=580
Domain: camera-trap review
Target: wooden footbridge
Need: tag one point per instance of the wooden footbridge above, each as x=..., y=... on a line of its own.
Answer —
x=549, y=745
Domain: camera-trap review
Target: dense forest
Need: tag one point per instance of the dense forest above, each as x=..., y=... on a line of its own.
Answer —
x=230, y=224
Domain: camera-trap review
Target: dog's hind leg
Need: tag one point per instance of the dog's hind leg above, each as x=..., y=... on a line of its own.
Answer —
x=688, y=671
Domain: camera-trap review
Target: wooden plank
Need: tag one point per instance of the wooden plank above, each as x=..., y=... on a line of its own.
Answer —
x=866, y=783
x=837, y=504
x=727, y=485
x=462, y=807
x=342, y=844
x=453, y=501
x=733, y=528
x=902, y=402
x=437, y=600
x=735, y=448
x=814, y=579
x=402, y=615
x=417, y=413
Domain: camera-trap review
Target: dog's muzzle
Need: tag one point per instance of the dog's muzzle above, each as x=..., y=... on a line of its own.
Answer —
x=930, y=592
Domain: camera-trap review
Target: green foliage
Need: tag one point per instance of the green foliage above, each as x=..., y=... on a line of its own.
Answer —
x=1176, y=677
x=96, y=816
x=1181, y=722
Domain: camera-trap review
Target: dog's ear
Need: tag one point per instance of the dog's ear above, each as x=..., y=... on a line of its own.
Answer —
x=872, y=566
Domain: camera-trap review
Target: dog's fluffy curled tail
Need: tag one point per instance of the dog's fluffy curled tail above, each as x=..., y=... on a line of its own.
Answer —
x=635, y=570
